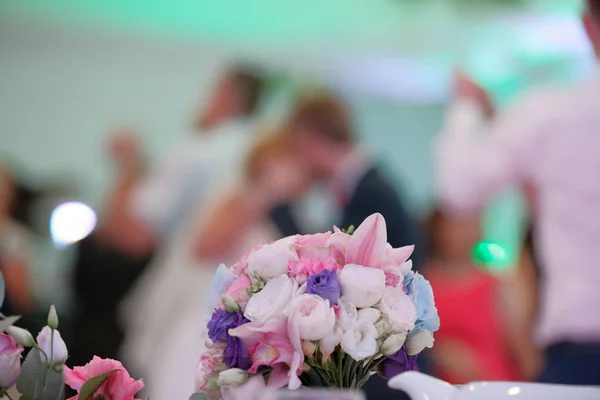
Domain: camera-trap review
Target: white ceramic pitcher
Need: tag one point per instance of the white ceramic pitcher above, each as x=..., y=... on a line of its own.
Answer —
x=424, y=387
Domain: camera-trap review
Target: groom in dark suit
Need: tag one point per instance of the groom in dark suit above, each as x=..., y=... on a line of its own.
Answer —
x=321, y=133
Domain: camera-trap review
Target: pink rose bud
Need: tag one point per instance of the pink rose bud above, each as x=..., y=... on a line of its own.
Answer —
x=10, y=361
x=54, y=347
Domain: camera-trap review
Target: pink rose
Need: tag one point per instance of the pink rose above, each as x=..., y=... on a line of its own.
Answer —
x=272, y=260
x=313, y=246
x=118, y=386
x=238, y=290
x=10, y=361
x=338, y=242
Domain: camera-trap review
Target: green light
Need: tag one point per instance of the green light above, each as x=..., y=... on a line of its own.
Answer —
x=491, y=255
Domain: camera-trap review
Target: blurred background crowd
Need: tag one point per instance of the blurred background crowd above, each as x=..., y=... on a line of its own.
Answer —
x=144, y=143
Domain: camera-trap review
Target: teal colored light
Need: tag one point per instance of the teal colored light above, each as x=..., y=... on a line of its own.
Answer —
x=491, y=255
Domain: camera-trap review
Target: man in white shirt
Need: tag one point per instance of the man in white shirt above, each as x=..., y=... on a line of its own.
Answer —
x=550, y=142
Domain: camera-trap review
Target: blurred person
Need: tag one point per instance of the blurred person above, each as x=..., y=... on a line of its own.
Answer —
x=477, y=340
x=15, y=242
x=188, y=332
x=548, y=140
x=321, y=133
x=323, y=148
x=170, y=202
x=109, y=261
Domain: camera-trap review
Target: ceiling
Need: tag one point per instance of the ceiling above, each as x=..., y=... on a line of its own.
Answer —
x=390, y=45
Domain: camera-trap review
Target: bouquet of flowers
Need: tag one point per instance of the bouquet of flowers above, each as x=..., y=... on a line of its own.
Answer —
x=322, y=310
x=43, y=374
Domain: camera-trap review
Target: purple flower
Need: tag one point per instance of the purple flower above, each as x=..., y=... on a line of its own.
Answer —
x=398, y=363
x=219, y=324
x=325, y=284
x=235, y=354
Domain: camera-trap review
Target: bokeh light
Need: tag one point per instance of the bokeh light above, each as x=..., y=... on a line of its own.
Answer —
x=491, y=255
x=70, y=222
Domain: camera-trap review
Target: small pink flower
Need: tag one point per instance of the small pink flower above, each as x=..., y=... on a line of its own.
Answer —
x=118, y=386
x=306, y=267
x=211, y=363
x=238, y=290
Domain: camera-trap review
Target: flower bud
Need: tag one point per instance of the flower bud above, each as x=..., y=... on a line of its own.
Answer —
x=230, y=305
x=21, y=336
x=53, y=346
x=308, y=348
x=232, y=377
x=52, y=318
x=418, y=341
x=392, y=344
x=369, y=314
x=383, y=326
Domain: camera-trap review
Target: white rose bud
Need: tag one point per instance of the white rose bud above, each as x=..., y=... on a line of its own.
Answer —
x=21, y=336
x=392, y=344
x=54, y=347
x=232, y=377
x=231, y=306
x=417, y=342
x=369, y=314
x=52, y=318
x=383, y=326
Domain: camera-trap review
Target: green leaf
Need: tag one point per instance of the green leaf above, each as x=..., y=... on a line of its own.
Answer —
x=92, y=385
x=38, y=381
x=8, y=322
x=198, y=396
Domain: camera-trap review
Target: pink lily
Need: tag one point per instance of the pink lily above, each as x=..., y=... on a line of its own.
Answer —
x=367, y=246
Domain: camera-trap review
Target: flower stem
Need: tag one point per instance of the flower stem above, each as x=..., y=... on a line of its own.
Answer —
x=51, y=345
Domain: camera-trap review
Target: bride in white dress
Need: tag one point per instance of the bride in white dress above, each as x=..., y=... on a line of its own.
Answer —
x=168, y=312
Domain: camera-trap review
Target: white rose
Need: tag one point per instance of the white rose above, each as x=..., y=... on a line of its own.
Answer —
x=272, y=260
x=56, y=349
x=360, y=342
x=416, y=342
x=232, y=377
x=362, y=286
x=392, y=344
x=312, y=315
x=399, y=308
x=369, y=314
x=271, y=302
